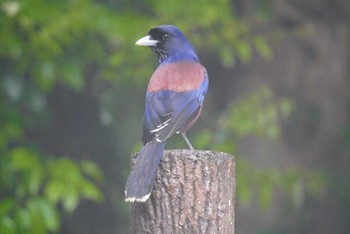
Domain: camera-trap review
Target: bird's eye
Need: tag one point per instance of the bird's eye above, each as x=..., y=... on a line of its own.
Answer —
x=165, y=36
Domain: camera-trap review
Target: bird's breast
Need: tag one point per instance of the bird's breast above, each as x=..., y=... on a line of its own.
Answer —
x=179, y=77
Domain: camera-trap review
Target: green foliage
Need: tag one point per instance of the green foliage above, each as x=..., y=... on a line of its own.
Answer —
x=259, y=113
x=296, y=183
x=32, y=188
x=89, y=45
x=36, y=37
x=67, y=183
x=217, y=30
x=262, y=47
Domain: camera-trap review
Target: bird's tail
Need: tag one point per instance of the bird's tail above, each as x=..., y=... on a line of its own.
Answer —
x=140, y=182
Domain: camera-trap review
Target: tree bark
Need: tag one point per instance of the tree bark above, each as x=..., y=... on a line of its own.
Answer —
x=194, y=192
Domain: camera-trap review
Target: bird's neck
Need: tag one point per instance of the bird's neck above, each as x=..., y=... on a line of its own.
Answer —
x=188, y=56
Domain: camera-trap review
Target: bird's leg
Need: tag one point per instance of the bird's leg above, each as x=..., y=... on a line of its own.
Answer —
x=187, y=141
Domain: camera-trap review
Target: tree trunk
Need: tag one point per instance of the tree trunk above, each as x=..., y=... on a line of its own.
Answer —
x=194, y=192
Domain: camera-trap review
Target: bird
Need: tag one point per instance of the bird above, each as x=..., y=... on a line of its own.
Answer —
x=174, y=101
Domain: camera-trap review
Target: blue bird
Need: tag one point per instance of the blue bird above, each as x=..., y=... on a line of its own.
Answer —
x=174, y=101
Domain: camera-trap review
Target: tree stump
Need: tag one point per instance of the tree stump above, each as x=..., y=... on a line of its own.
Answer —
x=194, y=192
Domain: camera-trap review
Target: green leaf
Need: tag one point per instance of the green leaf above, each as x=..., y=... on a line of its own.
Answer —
x=90, y=191
x=298, y=193
x=7, y=225
x=50, y=215
x=265, y=193
x=26, y=163
x=72, y=76
x=227, y=57
x=45, y=76
x=54, y=190
x=203, y=139
x=244, y=182
x=23, y=220
x=68, y=185
x=256, y=113
x=36, y=216
x=92, y=170
x=43, y=215
x=35, y=180
x=245, y=194
x=262, y=47
x=7, y=205
x=272, y=131
x=70, y=200
x=244, y=51
x=65, y=170
x=23, y=159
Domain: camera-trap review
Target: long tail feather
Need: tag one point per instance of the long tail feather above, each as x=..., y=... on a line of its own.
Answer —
x=140, y=182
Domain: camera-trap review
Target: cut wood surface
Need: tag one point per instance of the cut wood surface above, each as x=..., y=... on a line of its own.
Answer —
x=194, y=192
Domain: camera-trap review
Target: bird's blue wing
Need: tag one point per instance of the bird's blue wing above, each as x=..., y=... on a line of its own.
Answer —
x=169, y=112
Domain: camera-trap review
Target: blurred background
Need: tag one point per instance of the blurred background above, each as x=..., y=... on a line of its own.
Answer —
x=72, y=87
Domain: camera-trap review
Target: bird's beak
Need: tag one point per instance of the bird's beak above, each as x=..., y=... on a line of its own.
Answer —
x=146, y=41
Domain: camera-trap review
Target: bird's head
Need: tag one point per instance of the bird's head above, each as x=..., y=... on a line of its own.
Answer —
x=169, y=44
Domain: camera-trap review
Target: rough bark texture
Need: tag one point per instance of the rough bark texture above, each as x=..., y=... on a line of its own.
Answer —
x=194, y=192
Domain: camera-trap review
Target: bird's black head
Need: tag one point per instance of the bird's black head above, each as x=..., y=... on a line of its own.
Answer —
x=168, y=42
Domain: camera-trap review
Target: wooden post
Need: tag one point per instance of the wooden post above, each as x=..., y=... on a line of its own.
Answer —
x=194, y=192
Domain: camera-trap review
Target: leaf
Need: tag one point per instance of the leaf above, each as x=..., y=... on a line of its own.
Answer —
x=36, y=177
x=23, y=219
x=272, y=131
x=90, y=191
x=45, y=76
x=50, y=215
x=227, y=57
x=70, y=200
x=7, y=225
x=244, y=183
x=23, y=159
x=26, y=163
x=92, y=170
x=203, y=139
x=72, y=75
x=286, y=106
x=43, y=215
x=262, y=47
x=298, y=193
x=245, y=194
x=244, y=51
x=13, y=87
x=256, y=113
x=265, y=193
x=65, y=170
x=6, y=206
x=54, y=190
x=68, y=185
x=36, y=216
